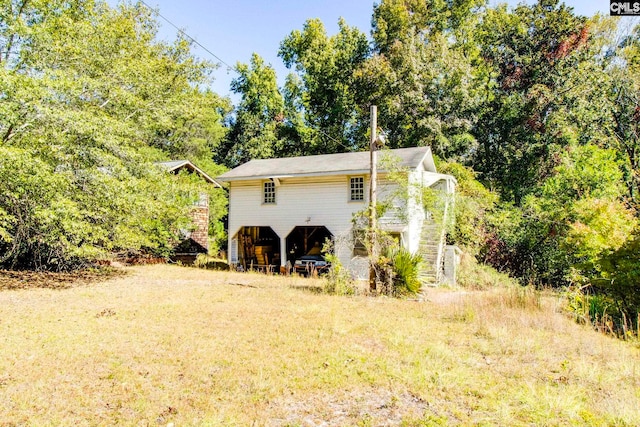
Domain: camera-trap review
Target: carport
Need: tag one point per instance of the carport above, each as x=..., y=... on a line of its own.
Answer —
x=304, y=239
x=258, y=248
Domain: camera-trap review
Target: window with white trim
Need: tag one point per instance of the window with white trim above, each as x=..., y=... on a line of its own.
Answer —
x=359, y=242
x=356, y=189
x=269, y=193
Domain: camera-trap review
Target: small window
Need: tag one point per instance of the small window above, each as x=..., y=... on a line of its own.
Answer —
x=203, y=201
x=360, y=242
x=269, y=192
x=356, y=189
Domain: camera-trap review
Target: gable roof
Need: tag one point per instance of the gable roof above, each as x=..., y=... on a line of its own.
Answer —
x=176, y=165
x=327, y=164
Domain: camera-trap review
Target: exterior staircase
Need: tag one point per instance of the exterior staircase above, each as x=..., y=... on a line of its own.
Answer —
x=431, y=247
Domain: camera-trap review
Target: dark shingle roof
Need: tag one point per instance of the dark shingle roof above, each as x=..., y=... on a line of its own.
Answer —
x=175, y=165
x=327, y=164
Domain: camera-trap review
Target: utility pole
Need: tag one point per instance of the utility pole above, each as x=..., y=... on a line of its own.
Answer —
x=373, y=178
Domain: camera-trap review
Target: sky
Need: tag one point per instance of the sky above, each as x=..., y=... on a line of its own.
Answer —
x=233, y=30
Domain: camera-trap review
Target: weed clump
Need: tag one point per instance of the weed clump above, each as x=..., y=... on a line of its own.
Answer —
x=474, y=275
x=210, y=263
x=338, y=280
x=602, y=314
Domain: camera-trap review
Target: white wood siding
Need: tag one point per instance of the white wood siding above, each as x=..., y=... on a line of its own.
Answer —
x=415, y=211
x=321, y=201
x=317, y=201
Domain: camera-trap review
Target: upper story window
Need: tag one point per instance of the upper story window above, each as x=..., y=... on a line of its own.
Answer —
x=356, y=189
x=269, y=193
x=203, y=201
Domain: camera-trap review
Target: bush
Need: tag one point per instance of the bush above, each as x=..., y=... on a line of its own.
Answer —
x=40, y=225
x=403, y=267
x=610, y=299
x=474, y=275
x=406, y=267
x=61, y=220
x=338, y=281
x=619, y=278
x=565, y=225
x=473, y=202
x=207, y=262
x=603, y=313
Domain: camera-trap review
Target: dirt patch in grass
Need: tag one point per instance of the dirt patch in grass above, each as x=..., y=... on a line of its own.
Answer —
x=368, y=407
x=10, y=280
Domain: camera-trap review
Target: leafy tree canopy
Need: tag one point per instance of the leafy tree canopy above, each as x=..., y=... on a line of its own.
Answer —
x=90, y=102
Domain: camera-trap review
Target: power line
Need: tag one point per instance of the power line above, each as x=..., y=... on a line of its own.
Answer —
x=157, y=11
x=229, y=67
x=335, y=140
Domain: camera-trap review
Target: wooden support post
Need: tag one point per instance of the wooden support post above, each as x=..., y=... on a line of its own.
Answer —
x=373, y=178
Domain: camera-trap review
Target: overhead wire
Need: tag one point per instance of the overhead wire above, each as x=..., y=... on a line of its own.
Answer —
x=334, y=140
x=229, y=67
x=181, y=31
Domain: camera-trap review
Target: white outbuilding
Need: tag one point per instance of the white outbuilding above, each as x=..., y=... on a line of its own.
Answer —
x=281, y=209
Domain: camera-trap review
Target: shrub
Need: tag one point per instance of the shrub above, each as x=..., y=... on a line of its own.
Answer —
x=473, y=202
x=475, y=275
x=338, y=281
x=560, y=231
x=40, y=225
x=210, y=263
x=60, y=220
x=404, y=270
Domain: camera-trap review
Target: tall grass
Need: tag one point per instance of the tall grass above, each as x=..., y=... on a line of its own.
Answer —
x=474, y=275
x=598, y=311
x=198, y=347
x=602, y=314
x=210, y=263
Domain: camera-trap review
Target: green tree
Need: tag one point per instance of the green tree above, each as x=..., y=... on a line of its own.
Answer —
x=567, y=224
x=532, y=51
x=624, y=104
x=254, y=130
x=93, y=100
x=326, y=89
x=399, y=21
x=427, y=93
x=426, y=75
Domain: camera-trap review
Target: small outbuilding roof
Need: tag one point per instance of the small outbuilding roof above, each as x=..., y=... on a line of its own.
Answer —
x=327, y=164
x=176, y=165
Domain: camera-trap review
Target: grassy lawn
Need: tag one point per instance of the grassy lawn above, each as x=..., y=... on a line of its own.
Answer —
x=168, y=345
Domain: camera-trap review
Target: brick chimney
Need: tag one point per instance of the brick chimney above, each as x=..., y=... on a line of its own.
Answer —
x=200, y=218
